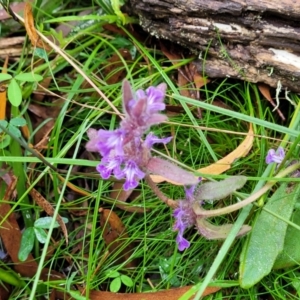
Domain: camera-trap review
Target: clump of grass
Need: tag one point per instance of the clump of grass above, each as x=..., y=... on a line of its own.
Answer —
x=148, y=252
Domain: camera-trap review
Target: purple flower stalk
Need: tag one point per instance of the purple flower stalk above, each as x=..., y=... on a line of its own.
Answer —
x=275, y=156
x=124, y=153
x=185, y=217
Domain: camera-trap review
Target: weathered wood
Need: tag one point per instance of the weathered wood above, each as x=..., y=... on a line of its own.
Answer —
x=255, y=40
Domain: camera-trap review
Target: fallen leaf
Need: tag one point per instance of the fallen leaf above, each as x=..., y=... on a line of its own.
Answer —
x=265, y=90
x=11, y=236
x=48, y=208
x=114, y=69
x=30, y=28
x=172, y=294
x=224, y=163
x=119, y=194
x=115, y=235
x=3, y=99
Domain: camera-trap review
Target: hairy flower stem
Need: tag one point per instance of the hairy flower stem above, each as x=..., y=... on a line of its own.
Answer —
x=226, y=210
x=171, y=203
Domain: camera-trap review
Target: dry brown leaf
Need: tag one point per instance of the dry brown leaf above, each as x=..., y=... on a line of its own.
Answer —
x=224, y=163
x=172, y=294
x=11, y=236
x=265, y=90
x=48, y=208
x=30, y=28
x=115, y=235
x=3, y=93
x=200, y=81
x=119, y=194
x=115, y=67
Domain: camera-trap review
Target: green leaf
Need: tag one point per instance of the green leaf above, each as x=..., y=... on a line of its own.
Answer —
x=27, y=242
x=14, y=93
x=211, y=191
x=14, y=130
x=41, y=53
x=115, y=285
x=112, y=274
x=45, y=222
x=4, y=77
x=290, y=256
x=5, y=141
x=3, y=123
x=267, y=237
x=40, y=234
x=126, y=280
x=18, y=121
x=29, y=77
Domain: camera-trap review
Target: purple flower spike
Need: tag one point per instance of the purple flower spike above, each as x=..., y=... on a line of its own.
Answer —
x=275, y=156
x=182, y=242
x=124, y=153
x=132, y=173
x=151, y=139
x=185, y=218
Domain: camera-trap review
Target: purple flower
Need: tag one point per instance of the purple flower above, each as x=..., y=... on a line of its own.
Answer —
x=132, y=174
x=124, y=153
x=275, y=156
x=110, y=165
x=185, y=218
x=151, y=139
x=109, y=140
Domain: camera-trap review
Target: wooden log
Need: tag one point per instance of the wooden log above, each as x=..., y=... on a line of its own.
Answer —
x=253, y=40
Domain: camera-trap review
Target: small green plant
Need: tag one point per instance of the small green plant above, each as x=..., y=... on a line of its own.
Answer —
x=28, y=236
x=118, y=279
x=14, y=91
x=11, y=126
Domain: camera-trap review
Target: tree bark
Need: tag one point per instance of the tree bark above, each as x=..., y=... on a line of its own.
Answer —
x=253, y=40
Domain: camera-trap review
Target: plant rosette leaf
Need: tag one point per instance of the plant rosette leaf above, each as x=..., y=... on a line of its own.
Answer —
x=290, y=256
x=211, y=191
x=14, y=93
x=40, y=234
x=266, y=240
x=29, y=77
x=27, y=242
x=115, y=285
x=45, y=222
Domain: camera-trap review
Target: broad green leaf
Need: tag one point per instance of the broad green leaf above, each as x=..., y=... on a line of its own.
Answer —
x=290, y=256
x=211, y=191
x=27, y=242
x=14, y=130
x=267, y=237
x=45, y=222
x=41, y=53
x=29, y=77
x=14, y=93
x=4, y=77
x=18, y=121
x=3, y=123
x=127, y=280
x=115, y=285
x=112, y=274
x=4, y=141
x=40, y=234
